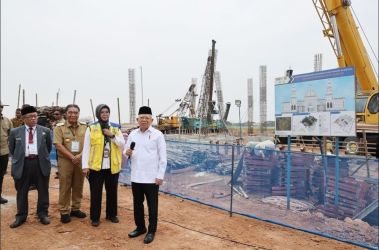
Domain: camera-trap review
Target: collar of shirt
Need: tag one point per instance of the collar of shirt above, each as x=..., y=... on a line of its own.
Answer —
x=75, y=125
x=27, y=127
x=149, y=130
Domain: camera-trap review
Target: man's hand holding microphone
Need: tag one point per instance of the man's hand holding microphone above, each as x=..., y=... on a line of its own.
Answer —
x=129, y=151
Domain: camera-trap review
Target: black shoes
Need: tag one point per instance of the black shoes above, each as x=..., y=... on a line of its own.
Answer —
x=18, y=222
x=44, y=220
x=113, y=219
x=65, y=218
x=95, y=223
x=78, y=213
x=3, y=201
x=136, y=233
x=149, y=238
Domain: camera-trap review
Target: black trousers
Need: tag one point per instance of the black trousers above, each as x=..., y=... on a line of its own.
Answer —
x=3, y=168
x=96, y=180
x=32, y=174
x=150, y=191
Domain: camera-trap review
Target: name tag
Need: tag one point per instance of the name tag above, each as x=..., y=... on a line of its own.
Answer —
x=106, y=153
x=75, y=146
x=32, y=149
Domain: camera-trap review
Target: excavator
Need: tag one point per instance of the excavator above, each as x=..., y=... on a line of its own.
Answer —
x=341, y=30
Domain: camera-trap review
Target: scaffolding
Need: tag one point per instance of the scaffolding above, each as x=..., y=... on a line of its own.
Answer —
x=250, y=108
x=132, y=96
x=205, y=106
x=263, y=97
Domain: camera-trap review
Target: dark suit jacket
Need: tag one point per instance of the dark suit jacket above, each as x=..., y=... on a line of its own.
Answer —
x=17, y=150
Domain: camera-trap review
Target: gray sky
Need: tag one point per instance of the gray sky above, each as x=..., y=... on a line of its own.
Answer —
x=88, y=45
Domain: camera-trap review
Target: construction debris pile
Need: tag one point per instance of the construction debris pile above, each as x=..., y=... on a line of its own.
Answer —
x=267, y=176
x=215, y=159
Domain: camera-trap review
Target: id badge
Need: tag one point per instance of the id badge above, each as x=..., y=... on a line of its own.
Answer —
x=106, y=153
x=75, y=146
x=32, y=149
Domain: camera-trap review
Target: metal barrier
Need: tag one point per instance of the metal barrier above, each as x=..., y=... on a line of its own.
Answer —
x=330, y=195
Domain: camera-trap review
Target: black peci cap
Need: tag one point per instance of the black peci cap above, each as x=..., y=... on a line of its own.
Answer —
x=28, y=109
x=145, y=110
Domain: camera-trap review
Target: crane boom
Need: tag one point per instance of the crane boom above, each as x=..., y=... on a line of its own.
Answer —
x=341, y=30
x=352, y=51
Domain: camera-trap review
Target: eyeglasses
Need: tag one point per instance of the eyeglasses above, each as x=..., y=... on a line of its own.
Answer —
x=56, y=114
x=144, y=117
x=31, y=116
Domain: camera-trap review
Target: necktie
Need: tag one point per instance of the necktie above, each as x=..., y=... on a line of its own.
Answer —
x=30, y=135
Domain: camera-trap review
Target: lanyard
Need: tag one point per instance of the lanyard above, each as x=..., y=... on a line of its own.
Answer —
x=73, y=132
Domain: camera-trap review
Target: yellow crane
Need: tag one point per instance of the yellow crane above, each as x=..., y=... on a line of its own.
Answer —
x=341, y=30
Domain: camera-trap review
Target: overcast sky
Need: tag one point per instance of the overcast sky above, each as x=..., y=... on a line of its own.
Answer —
x=88, y=45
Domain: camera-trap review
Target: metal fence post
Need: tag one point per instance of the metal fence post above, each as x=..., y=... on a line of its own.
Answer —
x=325, y=163
x=231, y=184
x=337, y=173
x=288, y=171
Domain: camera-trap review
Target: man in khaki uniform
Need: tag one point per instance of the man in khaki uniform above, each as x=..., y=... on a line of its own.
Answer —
x=5, y=128
x=57, y=118
x=68, y=139
x=17, y=121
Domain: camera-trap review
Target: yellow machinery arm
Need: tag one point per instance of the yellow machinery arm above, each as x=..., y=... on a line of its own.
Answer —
x=347, y=43
x=341, y=30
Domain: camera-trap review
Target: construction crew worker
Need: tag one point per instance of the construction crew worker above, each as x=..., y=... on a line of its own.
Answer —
x=58, y=116
x=57, y=119
x=68, y=140
x=17, y=121
x=101, y=161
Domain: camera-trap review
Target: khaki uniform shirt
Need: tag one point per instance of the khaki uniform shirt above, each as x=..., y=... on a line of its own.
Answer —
x=17, y=122
x=65, y=134
x=61, y=121
x=5, y=129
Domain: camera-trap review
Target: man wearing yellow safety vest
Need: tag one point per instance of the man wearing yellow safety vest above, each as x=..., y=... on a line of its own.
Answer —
x=101, y=162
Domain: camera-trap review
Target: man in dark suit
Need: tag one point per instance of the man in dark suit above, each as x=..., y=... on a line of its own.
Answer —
x=30, y=147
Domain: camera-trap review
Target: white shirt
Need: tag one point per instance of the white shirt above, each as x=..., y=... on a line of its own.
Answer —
x=149, y=158
x=30, y=148
x=118, y=139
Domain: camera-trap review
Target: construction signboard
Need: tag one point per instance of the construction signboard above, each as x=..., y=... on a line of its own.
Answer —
x=320, y=103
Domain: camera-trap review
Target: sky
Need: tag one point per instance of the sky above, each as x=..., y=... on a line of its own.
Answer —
x=89, y=45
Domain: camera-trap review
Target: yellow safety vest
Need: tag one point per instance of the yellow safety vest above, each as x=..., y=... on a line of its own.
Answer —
x=95, y=160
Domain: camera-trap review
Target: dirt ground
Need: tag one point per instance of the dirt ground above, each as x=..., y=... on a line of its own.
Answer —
x=182, y=225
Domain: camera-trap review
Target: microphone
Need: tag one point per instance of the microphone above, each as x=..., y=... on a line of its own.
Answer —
x=132, y=145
